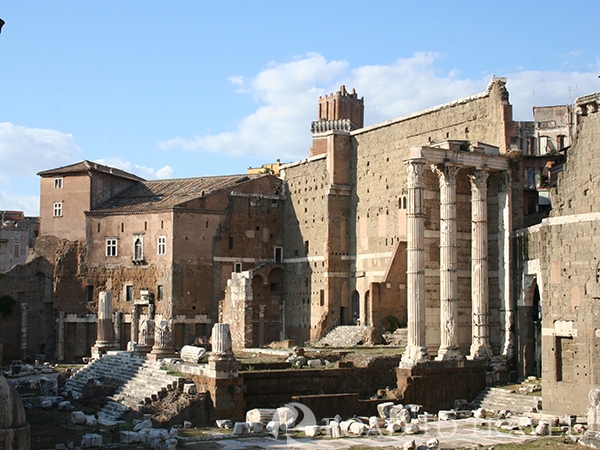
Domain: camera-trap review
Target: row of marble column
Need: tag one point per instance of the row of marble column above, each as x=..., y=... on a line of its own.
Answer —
x=416, y=350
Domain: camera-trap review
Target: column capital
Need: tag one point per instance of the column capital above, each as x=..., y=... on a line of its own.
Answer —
x=416, y=170
x=504, y=181
x=479, y=178
x=446, y=172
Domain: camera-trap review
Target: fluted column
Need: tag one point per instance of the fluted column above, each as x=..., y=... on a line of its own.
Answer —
x=104, y=333
x=24, y=309
x=504, y=275
x=480, y=340
x=60, y=345
x=448, y=262
x=416, y=350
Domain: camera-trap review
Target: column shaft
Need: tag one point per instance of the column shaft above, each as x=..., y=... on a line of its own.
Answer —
x=416, y=350
x=504, y=275
x=480, y=342
x=448, y=262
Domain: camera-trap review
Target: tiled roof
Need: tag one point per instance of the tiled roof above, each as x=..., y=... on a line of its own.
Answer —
x=87, y=166
x=158, y=195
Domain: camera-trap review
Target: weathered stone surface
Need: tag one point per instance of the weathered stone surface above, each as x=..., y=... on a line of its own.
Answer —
x=78, y=417
x=412, y=428
x=129, y=437
x=240, y=428
x=192, y=354
x=433, y=443
x=334, y=429
x=226, y=423
x=263, y=415
x=383, y=409
x=398, y=412
x=543, y=429
x=447, y=415
x=187, y=424
x=480, y=413
x=91, y=440
x=358, y=428
x=256, y=427
x=190, y=389
x=409, y=445
x=312, y=430
x=142, y=425
x=393, y=427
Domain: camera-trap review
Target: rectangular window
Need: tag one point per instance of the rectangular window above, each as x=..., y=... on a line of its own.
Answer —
x=278, y=254
x=162, y=245
x=111, y=246
x=57, y=209
x=160, y=293
x=17, y=237
x=90, y=293
x=237, y=267
x=230, y=243
x=16, y=251
x=128, y=293
x=58, y=183
x=306, y=247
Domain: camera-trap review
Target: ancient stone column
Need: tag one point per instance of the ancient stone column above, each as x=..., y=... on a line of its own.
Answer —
x=416, y=350
x=504, y=273
x=448, y=262
x=24, y=308
x=135, y=322
x=60, y=347
x=163, y=340
x=104, y=335
x=118, y=329
x=221, y=341
x=480, y=341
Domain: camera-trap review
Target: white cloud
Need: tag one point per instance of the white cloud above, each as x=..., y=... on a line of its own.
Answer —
x=29, y=204
x=288, y=93
x=142, y=171
x=26, y=151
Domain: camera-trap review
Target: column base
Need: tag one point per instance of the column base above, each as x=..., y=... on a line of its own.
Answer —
x=161, y=353
x=480, y=352
x=449, y=354
x=413, y=355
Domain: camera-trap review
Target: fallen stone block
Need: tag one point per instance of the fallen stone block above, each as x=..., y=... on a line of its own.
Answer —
x=78, y=417
x=412, y=428
x=383, y=409
x=256, y=427
x=460, y=404
x=543, y=429
x=192, y=354
x=376, y=422
x=426, y=418
x=222, y=423
x=314, y=363
x=446, y=415
x=480, y=413
x=91, y=440
x=240, y=428
x=358, y=428
x=65, y=406
x=90, y=420
x=393, y=427
x=142, y=425
x=398, y=412
x=433, y=443
x=414, y=410
x=46, y=404
x=409, y=445
x=129, y=437
x=263, y=415
x=312, y=430
x=525, y=421
x=287, y=416
x=187, y=424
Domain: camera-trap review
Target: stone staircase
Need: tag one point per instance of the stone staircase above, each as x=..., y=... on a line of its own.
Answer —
x=498, y=399
x=343, y=336
x=138, y=381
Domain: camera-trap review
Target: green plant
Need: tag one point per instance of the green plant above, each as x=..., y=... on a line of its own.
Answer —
x=6, y=305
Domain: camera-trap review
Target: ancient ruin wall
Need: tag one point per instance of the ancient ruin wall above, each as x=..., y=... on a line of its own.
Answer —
x=570, y=268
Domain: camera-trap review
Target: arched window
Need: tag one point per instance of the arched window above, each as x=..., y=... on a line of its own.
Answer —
x=138, y=249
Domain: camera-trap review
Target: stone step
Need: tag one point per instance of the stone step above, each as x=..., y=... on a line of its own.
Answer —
x=498, y=399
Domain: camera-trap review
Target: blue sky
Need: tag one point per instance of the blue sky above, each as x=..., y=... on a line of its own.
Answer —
x=169, y=89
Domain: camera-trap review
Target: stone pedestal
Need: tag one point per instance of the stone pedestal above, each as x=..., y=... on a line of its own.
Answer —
x=416, y=350
x=163, y=341
x=104, y=331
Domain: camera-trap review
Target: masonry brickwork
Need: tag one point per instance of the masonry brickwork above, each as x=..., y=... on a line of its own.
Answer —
x=560, y=280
